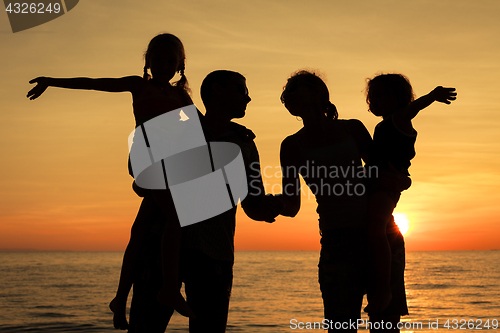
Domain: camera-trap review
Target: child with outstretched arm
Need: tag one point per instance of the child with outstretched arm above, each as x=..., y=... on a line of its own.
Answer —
x=152, y=96
x=391, y=97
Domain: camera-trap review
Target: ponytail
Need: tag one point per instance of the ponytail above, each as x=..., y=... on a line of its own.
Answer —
x=146, y=76
x=174, y=44
x=183, y=82
x=331, y=111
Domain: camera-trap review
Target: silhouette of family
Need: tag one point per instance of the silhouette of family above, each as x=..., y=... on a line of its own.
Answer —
x=362, y=250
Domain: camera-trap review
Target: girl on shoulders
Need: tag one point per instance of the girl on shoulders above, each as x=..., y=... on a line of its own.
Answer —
x=153, y=94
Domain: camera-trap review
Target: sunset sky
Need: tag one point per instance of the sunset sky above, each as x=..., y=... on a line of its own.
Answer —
x=65, y=184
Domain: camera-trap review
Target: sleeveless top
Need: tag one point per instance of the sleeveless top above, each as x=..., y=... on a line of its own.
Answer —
x=335, y=175
x=152, y=102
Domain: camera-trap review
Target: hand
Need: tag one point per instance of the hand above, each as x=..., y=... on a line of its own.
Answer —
x=272, y=207
x=42, y=85
x=444, y=95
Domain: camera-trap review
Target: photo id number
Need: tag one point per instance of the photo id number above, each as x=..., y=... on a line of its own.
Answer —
x=33, y=8
x=478, y=324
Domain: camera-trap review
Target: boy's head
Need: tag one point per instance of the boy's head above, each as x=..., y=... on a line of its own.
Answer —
x=224, y=91
x=386, y=93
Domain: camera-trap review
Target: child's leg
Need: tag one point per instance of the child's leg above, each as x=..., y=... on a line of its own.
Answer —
x=139, y=228
x=170, y=252
x=380, y=209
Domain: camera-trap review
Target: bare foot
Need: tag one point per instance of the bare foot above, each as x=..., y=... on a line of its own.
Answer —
x=174, y=299
x=119, y=308
x=379, y=302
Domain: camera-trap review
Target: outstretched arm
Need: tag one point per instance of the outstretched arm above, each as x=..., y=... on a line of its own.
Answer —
x=439, y=94
x=128, y=83
x=402, y=118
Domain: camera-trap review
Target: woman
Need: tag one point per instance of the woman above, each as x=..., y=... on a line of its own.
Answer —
x=327, y=153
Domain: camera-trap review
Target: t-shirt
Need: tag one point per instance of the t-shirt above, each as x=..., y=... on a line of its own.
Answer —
x=215, y=236
x=392, y=145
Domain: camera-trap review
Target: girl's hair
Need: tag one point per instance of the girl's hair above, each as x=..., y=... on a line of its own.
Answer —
x=175, y=44
x=316, y=84
x=398, y=84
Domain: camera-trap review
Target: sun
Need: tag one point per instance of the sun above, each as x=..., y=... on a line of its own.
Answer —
x=402, y=221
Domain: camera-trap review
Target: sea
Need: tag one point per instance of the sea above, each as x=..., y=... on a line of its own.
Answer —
x=272, y=292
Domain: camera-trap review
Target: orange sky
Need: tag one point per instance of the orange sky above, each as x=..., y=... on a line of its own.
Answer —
x=65, y=184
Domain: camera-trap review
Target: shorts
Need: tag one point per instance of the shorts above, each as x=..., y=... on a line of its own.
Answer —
x=398, y=305
x=208, y=284
x=342, y=273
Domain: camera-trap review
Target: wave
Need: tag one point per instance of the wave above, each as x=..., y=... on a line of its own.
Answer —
x=71, y=285
x=50, y=315
x=480, y=302
x=448, y=269
x=55, y=327
x=432, y=286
